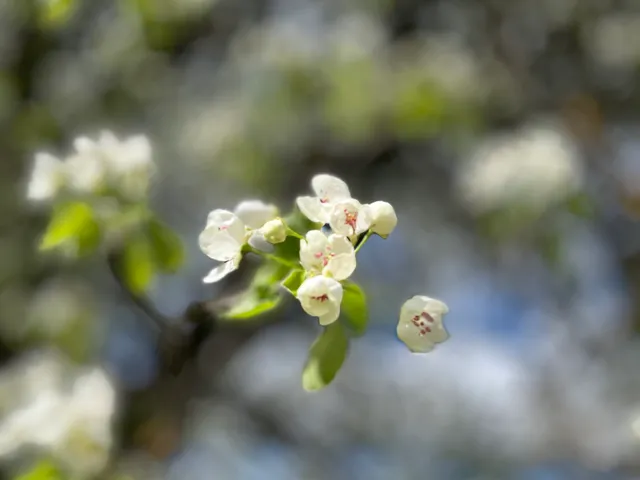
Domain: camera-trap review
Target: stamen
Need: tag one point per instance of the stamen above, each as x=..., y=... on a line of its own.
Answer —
x=350, y=218
x=322, y=298
x=427, y=317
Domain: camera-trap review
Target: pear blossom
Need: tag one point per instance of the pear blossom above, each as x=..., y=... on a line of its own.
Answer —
x=329, y=190
x=349, y=217
x=420, y=326
x=320, y=297
x=332, y=256
x=274, y=231
x=124, y=164
x=383, y=218
x=46, y=177
x=227, y=232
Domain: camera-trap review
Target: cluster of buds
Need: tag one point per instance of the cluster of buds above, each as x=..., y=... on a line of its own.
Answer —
x=327, y=252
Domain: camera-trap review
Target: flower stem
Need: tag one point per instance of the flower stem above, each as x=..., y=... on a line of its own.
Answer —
x=293, y=233
x=364, y=240
x=274, y=258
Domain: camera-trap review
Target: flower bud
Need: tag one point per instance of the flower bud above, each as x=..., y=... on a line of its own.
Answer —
x=274, y=231
x=383, y=218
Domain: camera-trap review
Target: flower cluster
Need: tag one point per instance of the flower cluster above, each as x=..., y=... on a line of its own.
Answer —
x=106, y=164
x=326, y=257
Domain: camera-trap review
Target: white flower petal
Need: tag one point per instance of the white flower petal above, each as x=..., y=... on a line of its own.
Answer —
x=222, y=270
x=331, y=316
x=383, y=218
x=320, y=297
x=312, y=250
x=340, y=244
x=411, y=337
x=46, y=177
x=420, y=325
x=255, y=213
x=340, y=266
x=85, y=171
x=313, y=209
x=348, y=217
x=224, y=220
x=218, y=245
x=329, y=188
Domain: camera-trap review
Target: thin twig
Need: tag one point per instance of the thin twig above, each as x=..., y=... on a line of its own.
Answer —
x=159, y=321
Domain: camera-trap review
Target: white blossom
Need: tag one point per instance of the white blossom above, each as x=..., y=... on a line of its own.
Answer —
x=329, y=190
x=71, y=424
x=332, y=256
x=383, y=218
x=85, y=170
x=227, y=232
x=320, y=297
x=274, y=231
x=46, y=177
x=420, y=326
x=349, y=217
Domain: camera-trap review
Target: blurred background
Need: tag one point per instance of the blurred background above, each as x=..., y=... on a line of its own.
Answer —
x=506, y=135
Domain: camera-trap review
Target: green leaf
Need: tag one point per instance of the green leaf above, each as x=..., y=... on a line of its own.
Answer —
x=293, y=281
x=354, y=307
x=168, y=251
x=326, y=356
x=580, y=205
x=137, y=264
x=74, y=226
x=43, y=470
x=251, y=304
x=288, y=250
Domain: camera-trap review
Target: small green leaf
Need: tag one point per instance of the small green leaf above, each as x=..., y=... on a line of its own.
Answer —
x=354, y=307
x=293, y=281
x=580, y=205
x=326, y=356
x=251, y=304
x=73, y=225
x=168, y=251
x=137, y=264
x=43, y=470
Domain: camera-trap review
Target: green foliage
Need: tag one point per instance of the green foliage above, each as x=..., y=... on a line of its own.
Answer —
x=297, y=222
x=43, y=470
x=137, y=264
x=580, y=205
x=293, y=281
x=56, y=13
x=74, y=227
x=166, y=246
x=326, y=356
x=289, y=249
x=354, y=307
x=262, y=295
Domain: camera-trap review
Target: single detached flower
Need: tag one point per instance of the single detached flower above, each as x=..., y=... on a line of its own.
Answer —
x=331, y=256
x=420, y=326
x=227, y=232
x=383, y=218
x=47, y=177
x=320, y=297
x=329, y=190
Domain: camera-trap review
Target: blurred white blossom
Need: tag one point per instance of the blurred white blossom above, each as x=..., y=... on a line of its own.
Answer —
x=536, y=166
x=65, y=412
x=46, y=177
